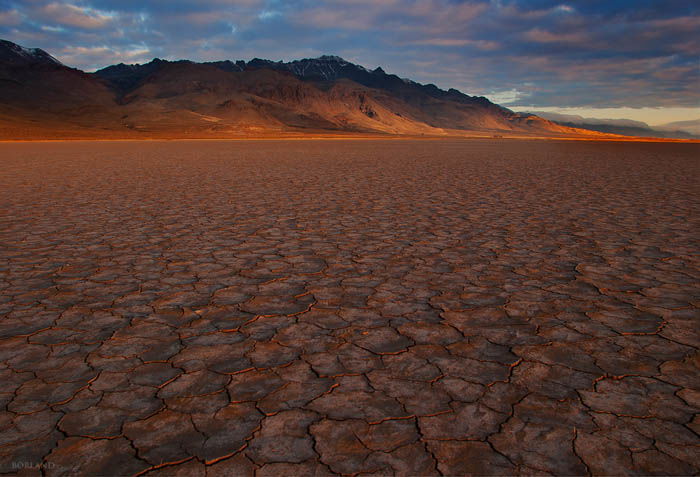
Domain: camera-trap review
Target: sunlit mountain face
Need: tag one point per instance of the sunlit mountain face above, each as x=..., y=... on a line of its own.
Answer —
x=45, y=98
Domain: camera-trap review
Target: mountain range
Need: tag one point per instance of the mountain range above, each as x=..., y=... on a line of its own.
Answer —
x=42, y=98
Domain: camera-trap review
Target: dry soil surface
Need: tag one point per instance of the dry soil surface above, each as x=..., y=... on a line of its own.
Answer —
x=340, y=307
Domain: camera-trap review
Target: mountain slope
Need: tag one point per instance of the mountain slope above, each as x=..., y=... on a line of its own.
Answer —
x=432, y=109
x=192, y=96
x=40, y=97
x=12, y=54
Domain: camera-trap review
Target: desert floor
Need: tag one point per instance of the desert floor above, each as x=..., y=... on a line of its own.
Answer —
x=313, y=307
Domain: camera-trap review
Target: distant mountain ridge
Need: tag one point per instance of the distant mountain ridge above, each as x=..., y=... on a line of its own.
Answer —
x=326, y=68
x=626, y=127
x=16, y=55
x=42, y=97
x=691, y=126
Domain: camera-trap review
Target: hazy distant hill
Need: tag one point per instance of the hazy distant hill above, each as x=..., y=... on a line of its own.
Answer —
x=41, y=97
x=626, y=127
x=690, y=127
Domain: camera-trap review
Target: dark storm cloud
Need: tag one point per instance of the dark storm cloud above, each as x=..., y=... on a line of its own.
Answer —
x=536, y=52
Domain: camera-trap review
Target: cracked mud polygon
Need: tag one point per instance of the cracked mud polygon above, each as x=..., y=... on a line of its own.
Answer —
x=403, y=307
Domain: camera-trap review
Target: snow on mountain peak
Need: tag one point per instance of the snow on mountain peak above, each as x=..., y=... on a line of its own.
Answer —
x=28, y=55
x=334, y=58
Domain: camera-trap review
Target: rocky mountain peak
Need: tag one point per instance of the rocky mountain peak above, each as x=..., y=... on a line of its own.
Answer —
x=13, y=54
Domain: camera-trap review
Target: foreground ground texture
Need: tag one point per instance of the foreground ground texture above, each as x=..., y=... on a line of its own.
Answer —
x=317, y=307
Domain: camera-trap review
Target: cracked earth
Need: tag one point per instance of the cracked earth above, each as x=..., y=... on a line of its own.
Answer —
x=349, y=307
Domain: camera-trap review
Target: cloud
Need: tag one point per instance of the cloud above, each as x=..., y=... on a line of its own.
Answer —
x=538, y=35
x=506, y=97
x=391, y=15
x=268, y=14
x=10, y=17
x=479, y=44
x=565, y=8
x=98, y=56
x=72, y=15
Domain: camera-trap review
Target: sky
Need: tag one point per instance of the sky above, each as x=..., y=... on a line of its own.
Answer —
x=636, y=59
